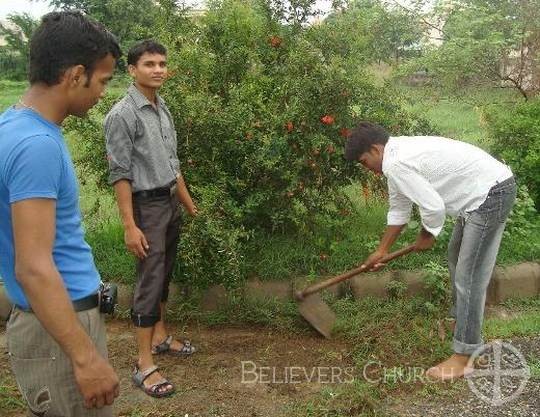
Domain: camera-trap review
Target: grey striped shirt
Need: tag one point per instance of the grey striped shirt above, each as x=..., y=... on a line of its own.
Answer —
x=141, y=142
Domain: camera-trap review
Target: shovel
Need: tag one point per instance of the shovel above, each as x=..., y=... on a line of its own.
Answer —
x=316, y=311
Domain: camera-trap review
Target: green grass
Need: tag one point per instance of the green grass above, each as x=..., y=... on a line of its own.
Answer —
x=534, y=366
x=401, y=333
x=397, y=332
x=356, y=399
x=458, y=115
x=11, y=93
x=13, y=90
x=10, y=398
x=332, y=248
x=527, y=322
x=457, y=120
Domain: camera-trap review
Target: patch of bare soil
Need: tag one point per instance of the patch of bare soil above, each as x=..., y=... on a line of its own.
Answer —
x=495, y=399
x=236, y=372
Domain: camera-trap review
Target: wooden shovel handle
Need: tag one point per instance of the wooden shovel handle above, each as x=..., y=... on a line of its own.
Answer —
x=349, y=274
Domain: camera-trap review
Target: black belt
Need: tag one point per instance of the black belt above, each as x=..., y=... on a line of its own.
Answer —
x=86, y=303
x=156, y=192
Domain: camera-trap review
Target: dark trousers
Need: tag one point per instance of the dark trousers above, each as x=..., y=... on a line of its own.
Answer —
x=159, y=219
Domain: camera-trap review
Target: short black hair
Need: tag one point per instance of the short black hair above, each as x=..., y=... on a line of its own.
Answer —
x=64, y=39
x=362, y=137
x=148, y=45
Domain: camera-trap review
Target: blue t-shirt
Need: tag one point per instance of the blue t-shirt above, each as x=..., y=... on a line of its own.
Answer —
x=35, y=163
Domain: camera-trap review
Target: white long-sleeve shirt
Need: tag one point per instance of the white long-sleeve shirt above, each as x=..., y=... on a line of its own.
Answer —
x=442, y=176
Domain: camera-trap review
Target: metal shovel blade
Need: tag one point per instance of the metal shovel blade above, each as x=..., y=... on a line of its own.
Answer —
x=318, y=314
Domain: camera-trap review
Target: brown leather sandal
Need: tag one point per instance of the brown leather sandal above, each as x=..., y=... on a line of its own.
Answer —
x=154, y=390
x=165, y=347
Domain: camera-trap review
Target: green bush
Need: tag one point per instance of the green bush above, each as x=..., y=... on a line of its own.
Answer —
x=437, y=286
x=12, y=65
x=262, y=115
x=90, y=155
x=516, y=139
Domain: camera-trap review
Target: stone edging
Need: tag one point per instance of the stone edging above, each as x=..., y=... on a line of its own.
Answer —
x=521, y=280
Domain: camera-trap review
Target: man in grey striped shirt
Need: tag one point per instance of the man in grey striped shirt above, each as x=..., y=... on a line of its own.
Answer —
x=145, y=171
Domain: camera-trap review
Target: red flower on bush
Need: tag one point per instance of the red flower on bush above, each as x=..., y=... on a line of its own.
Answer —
x=344, y=132
x=344, y=212
x=366, y=192
x=327, y=119
x=275, y=41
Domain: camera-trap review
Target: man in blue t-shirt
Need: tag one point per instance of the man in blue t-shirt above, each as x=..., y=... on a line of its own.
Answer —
x=55, y=334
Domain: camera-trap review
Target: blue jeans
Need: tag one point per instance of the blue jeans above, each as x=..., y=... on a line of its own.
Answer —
x=472, y=253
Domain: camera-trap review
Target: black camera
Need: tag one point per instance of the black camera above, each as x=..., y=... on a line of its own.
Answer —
x=108, y=297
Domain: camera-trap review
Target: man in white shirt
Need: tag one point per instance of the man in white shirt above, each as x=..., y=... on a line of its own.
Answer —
x=443, y=176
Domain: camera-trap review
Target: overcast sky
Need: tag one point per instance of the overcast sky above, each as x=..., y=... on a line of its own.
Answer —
x=36, y=9
x=39, y=8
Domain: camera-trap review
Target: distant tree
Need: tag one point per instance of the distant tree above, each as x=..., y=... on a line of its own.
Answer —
x=17, y=37
x=376, y=29
x=129, y=20
x=292, y=12
x=487, y=41
x=15, y=54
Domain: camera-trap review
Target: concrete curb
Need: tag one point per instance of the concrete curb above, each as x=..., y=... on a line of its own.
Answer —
x=521, y=280
x=515, y=281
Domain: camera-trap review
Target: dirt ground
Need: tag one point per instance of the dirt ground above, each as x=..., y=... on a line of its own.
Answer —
x=462, y=402
x=210, y=382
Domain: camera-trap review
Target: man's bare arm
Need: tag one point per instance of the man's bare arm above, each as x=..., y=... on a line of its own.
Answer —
x=387, y=240
x=34, y=231
x=184, y=196
x=133, y=236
